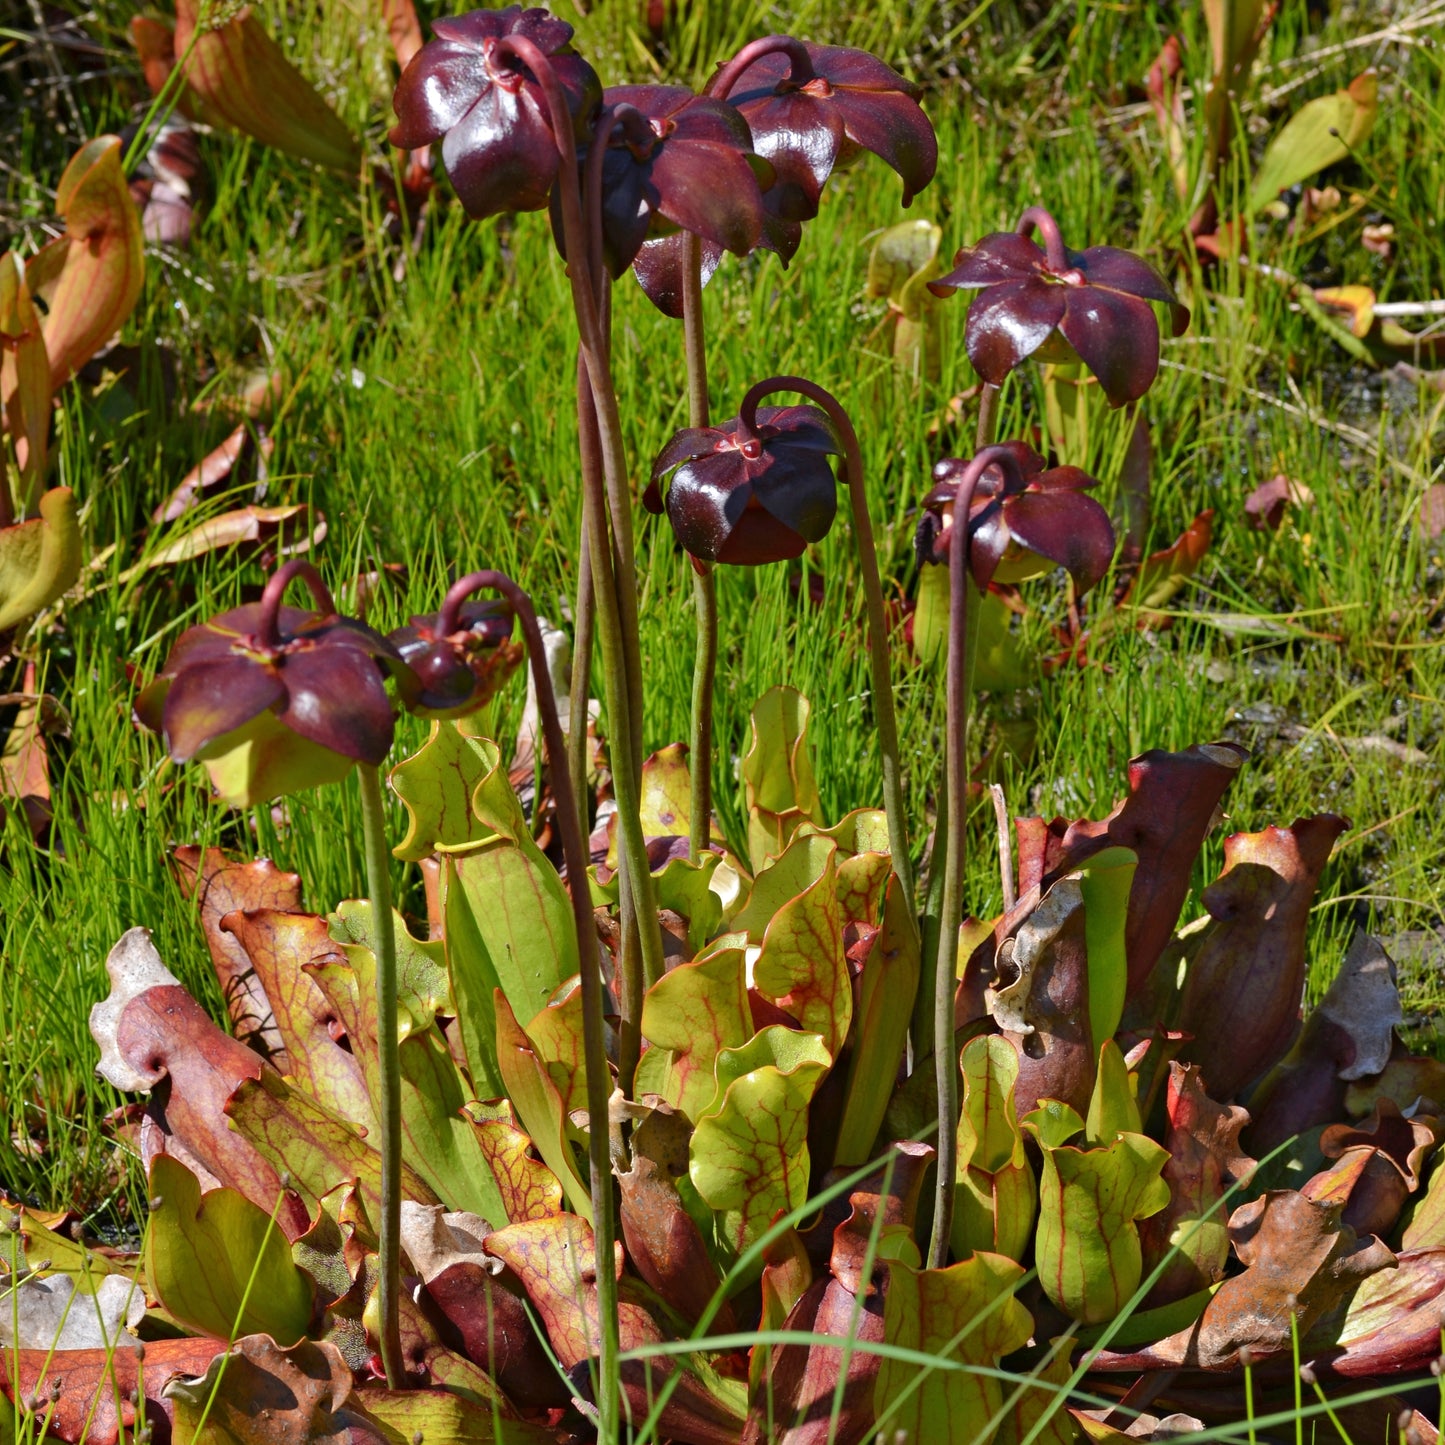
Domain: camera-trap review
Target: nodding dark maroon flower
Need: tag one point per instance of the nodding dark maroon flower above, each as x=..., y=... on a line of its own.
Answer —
x=756, y=489
x=460, y=655
x=1024, y=517
x=675, y=161
x=467, y=89
x=1098, y=300
x=322, y=677
x=815, y=108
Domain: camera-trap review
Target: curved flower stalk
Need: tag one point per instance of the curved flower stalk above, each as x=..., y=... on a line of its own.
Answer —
x=758, y=489
x=274, y=700
x=1098, y=302
x=526, y=55
x=574, y=850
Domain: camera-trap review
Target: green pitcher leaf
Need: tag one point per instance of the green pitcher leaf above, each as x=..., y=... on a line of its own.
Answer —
x=778, y=773
x=749, y=1155
x=886, y=985
x=1087, y=1246
x=538, y=1104
x=1105, y=881
x=683, y=887
x=689, y=1016
x=965, y=1313
x=801, y=966
x=91, y=277
x=39, y=559
x=206, y=1254
x=996, y=1197
x=1113, y=1109
x=27, y=396
x=422, y=988
x=439, y=1417
x=797, y=867
x=509, y=920
x=436, y=785
x=1320, y=133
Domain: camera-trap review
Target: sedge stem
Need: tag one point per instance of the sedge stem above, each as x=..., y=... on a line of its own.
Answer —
x=378, y=882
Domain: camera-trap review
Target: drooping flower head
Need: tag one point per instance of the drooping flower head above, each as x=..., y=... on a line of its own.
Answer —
x=460, y=655
x=289, y=697
x=1098, y=300
x=674, y=161
x=471, y=89
x=1023, y=519
x=756, y=489
x=816, y=108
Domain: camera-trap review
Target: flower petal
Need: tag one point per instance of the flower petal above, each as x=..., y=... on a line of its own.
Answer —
x=658, y=268
x=988, y=539
x=442, y=83
x=711, y=191
x=209, y=699
x=1116, y=337
x=1066, y=527
x=758, y=538
x=706, y=500
x=335, y=697
x=686, y=445
x=842, y=65
x=1058, y=479
x=799, y=489
x=1008, y=323
x=893, y=127
x=800, y=428
x=1124, y=271
x=1000, y=256
x=502, y=156
x=801, y=136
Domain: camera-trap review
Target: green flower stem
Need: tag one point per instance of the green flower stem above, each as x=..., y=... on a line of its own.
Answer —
x=584, y=611
x=615, y=588
x=877, y=625
x=956, y=792
x=378, y=881
x=599, y=1084
x=704, y=583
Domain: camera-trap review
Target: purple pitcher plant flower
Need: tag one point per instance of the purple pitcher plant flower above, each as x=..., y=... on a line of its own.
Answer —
x=1099, y=301
x=1022, y=519
x=754, y=490
x=321, y=675
x=470, y=89
x=460, y=655
x=813, y=109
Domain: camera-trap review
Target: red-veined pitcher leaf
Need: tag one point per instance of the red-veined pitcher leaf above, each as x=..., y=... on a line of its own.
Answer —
x=95, y=271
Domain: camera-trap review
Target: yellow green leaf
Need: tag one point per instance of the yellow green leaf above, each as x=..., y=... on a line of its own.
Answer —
x=219, y=1263
x=39, y=559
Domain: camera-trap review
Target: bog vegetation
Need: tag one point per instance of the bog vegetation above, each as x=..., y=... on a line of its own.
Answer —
x=721, y=726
